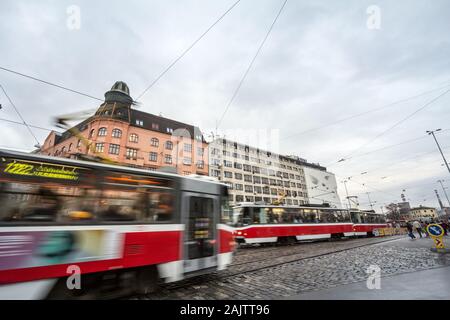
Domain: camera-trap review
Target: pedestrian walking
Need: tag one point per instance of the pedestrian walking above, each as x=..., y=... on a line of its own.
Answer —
x=409, y=226
x=444, y=226
x=418, y=227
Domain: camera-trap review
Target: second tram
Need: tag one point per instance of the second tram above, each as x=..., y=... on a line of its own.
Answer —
x=287, y=224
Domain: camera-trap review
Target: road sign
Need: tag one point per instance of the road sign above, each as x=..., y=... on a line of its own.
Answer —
x=435, y=230
x=437, y=233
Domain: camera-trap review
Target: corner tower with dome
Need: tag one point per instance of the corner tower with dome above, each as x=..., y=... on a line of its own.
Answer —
x=132, y=137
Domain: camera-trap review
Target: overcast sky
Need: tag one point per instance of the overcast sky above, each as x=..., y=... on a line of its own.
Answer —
x=320, y=64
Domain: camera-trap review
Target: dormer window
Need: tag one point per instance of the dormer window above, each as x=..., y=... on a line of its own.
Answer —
x=139, y=122
x=169, y=130
x=155, y=126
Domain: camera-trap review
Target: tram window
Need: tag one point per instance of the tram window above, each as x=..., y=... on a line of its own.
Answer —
x=121, y=205
x=356, y=217
x=160, y=206
x=28, y=202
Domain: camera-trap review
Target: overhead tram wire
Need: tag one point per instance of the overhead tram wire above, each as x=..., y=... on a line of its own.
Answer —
x=50, y=83
x=403, y=160
x=394, y=126
x=186, y=51
x=384, y=148
x=23, y=124
x=365, y=112
x=20, y=116
x=250, y=66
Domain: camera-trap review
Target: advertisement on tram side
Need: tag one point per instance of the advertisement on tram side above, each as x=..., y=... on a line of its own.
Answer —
x=41, y=248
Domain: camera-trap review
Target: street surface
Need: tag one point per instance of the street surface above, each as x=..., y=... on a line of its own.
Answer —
x=303, y=271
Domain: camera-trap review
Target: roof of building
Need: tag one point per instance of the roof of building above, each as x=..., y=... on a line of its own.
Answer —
x=117, y=106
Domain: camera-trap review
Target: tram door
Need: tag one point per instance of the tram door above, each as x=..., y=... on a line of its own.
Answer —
x=200, y=234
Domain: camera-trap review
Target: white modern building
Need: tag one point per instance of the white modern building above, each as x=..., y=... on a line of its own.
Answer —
x=256, y=175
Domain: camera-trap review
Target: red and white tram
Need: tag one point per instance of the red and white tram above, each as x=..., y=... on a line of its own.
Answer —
x=269, y=223
x=112, y=225
x=287, y=224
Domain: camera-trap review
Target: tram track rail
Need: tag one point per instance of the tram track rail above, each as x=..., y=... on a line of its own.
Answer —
x=223, y=276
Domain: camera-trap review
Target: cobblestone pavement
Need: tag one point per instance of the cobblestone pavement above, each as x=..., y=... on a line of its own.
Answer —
x=279, y=272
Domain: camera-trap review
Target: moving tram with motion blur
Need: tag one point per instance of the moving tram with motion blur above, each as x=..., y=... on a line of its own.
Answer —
x=261, y=224
x=115, y=227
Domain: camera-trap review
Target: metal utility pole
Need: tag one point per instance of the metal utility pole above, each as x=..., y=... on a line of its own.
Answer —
x=370, y=202
x=439, y=147
x=439, y=199
x=445, y=192
x=346, y=192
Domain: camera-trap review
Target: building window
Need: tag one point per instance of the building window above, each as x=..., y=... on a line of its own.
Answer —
x=153, y=156
x=237, y=165
x=114, y=148
x=117, y=133
x=256, y=179
x=155, y=126
x=168, y=159
x=131, y=153
x=238, y=176
x=79, y=143
x=186, y=173
x=63, y=150
x=258, y=189
x=169, y=130
x=248, y=188
x=70, y=147
x=215, y=173
x=154, y=142
x=238, y=186
x=187, y=147
x=101, y=132
x=99, y=147
x=247, y=178
x=134, y=138
x=139, y=122
x=200, y=164
x=228, y=164
x=187, y=161
x=91, y=134
x=228, y=174
x=247, y=168
x=200, y=151
x=169, y=145
x=239, y=198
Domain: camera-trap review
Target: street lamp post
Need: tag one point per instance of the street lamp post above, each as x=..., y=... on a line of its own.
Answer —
x=439, y=147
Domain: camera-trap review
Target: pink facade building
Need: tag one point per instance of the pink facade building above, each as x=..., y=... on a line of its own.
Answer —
x=131, y=137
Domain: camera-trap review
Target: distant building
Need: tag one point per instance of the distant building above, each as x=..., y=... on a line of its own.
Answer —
x=424, y=213
x=133, y=138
